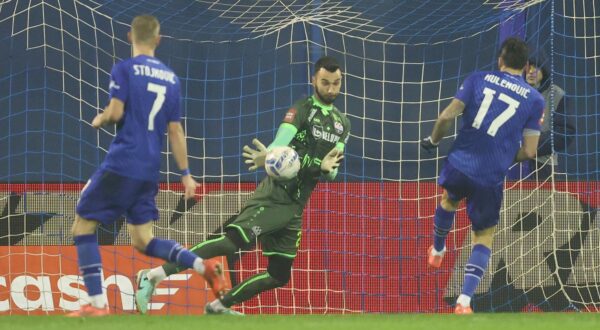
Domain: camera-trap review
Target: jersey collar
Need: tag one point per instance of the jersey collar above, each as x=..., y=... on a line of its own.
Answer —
x=324, y=108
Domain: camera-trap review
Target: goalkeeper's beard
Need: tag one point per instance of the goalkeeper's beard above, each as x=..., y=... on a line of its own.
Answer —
x=324, y=99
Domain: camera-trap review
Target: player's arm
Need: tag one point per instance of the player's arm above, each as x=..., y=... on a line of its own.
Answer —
x=531, y=132
x=112, y=113
x=256, y=157
x=284, y=136
x=529, y=147
x=117, y=94
x=179, y=148
x=443, y=124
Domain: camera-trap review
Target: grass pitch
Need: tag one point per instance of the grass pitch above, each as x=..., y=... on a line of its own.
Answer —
x=504, y=321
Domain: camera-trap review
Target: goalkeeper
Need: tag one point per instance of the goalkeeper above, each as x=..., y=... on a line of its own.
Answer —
x=318, y=131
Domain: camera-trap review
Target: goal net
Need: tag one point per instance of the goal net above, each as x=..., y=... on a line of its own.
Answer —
x=242, y=64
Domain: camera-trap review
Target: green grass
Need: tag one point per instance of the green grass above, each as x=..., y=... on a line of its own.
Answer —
x=505, y=321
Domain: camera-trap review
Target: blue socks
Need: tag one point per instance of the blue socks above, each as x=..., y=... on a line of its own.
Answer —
x=442, y=223
x=475, y=268
x=90, y=265
x=171, y=251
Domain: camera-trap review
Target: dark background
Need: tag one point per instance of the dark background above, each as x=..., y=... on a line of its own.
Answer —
x=242, y=66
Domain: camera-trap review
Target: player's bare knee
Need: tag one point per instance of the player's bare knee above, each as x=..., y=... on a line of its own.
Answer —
x=484, y=237
x=139, y=245
x=140, y=235
x=280, y=269
x=83, y=226
x=449, y=205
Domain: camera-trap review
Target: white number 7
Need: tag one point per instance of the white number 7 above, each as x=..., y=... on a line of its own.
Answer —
x=502, y=118
x=160, y=91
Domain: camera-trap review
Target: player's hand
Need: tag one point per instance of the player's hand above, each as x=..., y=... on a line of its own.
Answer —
x=98, y=121
x=332, y=160
x=255, y=157
x=428, y=145
x=189, y=186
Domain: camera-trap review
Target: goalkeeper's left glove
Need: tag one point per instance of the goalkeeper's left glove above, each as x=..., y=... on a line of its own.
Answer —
x=428, y=144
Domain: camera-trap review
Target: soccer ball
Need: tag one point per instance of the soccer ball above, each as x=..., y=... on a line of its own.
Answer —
x=282, y=163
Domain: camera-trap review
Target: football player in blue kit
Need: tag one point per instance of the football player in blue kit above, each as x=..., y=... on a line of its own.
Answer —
x=144, y=103
x=501, y=125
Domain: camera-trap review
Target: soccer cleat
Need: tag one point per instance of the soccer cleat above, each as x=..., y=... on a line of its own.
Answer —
x=462, y=310
x=208, y=310
x=89, y=311
x=145, y=290
x=213, y=274
x=434, y=261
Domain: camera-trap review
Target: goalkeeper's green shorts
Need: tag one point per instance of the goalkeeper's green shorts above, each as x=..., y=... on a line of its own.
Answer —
x=277, y=226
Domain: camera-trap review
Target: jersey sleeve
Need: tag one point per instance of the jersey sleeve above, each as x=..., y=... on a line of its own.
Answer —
x=284, y=136
x=346, y=135
x=534, y=122
x=119, y=84
x=174, y=115
x=296, y=114
x=465, y=91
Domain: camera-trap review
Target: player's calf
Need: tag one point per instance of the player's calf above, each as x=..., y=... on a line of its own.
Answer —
x=474, y=271
x=442, y=224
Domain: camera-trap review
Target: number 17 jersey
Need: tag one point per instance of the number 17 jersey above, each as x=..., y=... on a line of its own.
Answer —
x=151, y=93
x=499, y=109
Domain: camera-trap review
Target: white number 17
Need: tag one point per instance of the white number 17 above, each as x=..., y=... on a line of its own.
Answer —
x=502, y=118
x=160, y=91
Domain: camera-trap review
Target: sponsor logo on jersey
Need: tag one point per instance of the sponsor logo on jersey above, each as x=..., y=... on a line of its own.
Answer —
x=317, y=131
x=319, y=134
x=290, y=116
x=114, y=85
x=339, y=128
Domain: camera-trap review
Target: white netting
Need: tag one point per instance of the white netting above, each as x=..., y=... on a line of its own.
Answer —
x=242, y=63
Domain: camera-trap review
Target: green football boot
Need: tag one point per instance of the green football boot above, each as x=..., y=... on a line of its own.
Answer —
x=145, y=289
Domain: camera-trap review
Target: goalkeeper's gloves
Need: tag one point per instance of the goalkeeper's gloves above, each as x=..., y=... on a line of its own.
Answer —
x=428, y=144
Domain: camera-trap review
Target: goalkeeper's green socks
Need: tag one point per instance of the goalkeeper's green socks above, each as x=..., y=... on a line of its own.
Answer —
x=249, y=288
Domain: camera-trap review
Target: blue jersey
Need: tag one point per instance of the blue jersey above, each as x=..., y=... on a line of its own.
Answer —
x=499, y=107
x=151, y=93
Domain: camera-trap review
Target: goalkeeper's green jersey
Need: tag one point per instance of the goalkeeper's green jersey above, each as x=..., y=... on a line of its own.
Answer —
x=320, y=129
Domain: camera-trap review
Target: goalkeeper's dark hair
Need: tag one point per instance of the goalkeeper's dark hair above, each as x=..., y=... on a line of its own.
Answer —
x=514, y=53
x=328, y=63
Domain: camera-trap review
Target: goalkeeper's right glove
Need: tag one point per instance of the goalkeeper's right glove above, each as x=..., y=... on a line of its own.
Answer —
x=428, y=144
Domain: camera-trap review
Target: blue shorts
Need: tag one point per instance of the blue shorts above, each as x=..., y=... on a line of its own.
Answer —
x=107, y=196
x=483, y=202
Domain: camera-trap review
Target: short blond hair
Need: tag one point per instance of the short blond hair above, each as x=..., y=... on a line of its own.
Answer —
x=144, y=29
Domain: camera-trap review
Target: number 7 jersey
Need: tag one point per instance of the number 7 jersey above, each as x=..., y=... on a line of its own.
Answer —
x=499, y=109
x=151, y=93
